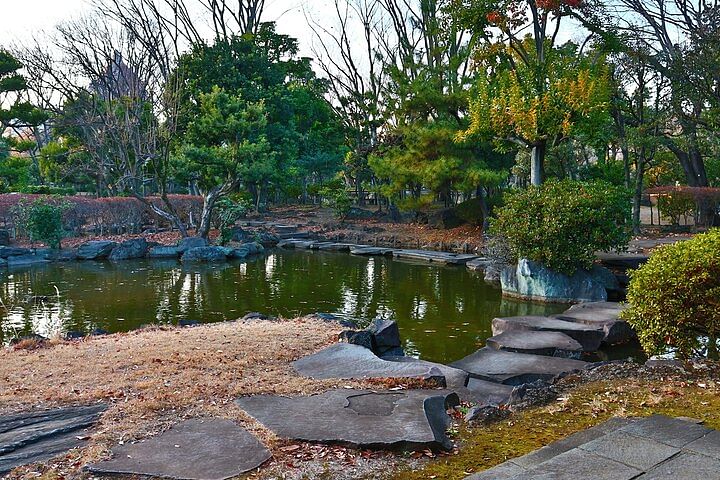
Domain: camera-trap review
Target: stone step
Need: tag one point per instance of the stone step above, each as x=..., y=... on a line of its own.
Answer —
x=590, y=337
x=601, y=315
x=407, y=419
x=337, y=247
x=293, y=235
x=296, y=243
x=552, y=344
x=512, y=368
x=368, y=251
x=432, y=256
x=479, y=264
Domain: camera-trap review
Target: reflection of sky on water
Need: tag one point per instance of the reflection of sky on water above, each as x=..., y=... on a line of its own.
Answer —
x=443, y=312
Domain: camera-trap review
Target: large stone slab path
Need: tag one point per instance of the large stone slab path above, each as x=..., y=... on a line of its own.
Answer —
x=652, y=448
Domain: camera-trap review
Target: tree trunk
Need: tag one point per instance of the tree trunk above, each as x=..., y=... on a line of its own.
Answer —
x=208, y=206
x=537, y=163
x=637, y=197
x=170, y=215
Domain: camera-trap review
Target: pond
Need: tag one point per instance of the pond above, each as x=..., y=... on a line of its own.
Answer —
x=443, y=312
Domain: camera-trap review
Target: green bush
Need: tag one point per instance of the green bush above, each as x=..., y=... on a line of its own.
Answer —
x=335, y=196
x=43, y=221
x=674, y=299
x=561, y=224
x=675, y=205
x=228, y=212
x=46, y=190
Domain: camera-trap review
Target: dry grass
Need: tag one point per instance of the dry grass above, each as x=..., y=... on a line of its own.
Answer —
x=153, y=378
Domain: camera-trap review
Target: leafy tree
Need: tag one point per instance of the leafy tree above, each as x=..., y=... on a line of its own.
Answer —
x=15, y=112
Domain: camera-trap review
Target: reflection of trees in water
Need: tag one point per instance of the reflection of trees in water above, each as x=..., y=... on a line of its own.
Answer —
x=450, y=301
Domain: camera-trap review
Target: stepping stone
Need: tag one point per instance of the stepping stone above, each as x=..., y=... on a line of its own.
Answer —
x=367, y=251
x=578, y=464
x=478, y=264
x=337, y=247
x=515, y=368
x=344, y=360
x=504, y=471
x=33, y=437
x=600, y=315
x=409, y=419
x=597, y=305
x=454, y=377
x=708, y=445
x=552, y=344
x=296, y=243
x=483, y=392
x=622, y=261
x=590, y=337
x=433, y=256
x=202, y=448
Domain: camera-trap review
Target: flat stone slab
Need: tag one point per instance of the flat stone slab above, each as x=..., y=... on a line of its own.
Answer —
x=433, y=256
x=483, y=392
x=515, y=368
x=454, y=377
x=408, y=419
x=623, y=261
x=479, y=264
x=652, y=448
x=368, y=251
x=337, y=247
x=202, y=449
x=589, y=336
x=33, y=437
x=553, y=344
x=344, y=360
x=603, y=315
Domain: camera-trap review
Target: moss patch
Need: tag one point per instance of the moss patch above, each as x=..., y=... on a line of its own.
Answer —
x=586, y=406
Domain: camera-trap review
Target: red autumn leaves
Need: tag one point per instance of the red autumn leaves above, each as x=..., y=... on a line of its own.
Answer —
x=495, y=17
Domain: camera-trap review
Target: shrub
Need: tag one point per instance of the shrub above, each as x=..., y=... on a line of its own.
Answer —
x=675, y=205
x=561, y=224
x=228, y=212
x=675, y=297
x=43, y=221
x=335, y=196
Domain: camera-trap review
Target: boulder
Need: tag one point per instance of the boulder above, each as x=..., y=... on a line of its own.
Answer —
x=239, y=235
x=455, y=379
x=531, y=394
x=386, y=336
x=484, y=392
x=4, y=237
x=197, y=449
x=164, y=251
x=95, y=250
x=62, y=255
x=479, y=264
x=408, y=420
x=492, y=273
x=550, y=343
x=254, y=248
x=515, y=368
x=599, y=315
x=256, y=316
x=532, y=281
x=486, y=414
x=344, y=360
x=26, y=260
x=6, y=252
x=590, y=337
x=204, y=254
x=357, y=337
x=191, y=242
x=129, y=249
x=37, y=436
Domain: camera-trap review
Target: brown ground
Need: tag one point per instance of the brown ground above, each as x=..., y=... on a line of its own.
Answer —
x=153, y=378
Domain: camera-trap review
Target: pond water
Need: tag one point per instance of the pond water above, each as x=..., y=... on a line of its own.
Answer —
x=444, y=312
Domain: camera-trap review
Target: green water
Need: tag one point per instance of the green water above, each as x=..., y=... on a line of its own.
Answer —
x=444, y=313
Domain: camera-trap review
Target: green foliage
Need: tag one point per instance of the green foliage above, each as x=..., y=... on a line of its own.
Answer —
x=335, y=196
x=228, y=212
x=675, y=297
x=46, y=190
x=14, y=173
x=675, y=205
x=13, y=110
x=561, y=224
x=43, y=221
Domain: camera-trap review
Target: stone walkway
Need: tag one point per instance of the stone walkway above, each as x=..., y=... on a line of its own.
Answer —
x=652, y=448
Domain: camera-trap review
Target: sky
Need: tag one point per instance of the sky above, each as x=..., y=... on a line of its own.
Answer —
x=19, y=19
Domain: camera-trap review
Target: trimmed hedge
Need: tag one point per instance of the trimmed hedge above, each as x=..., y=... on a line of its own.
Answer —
x=561, y=224
x=675, y=297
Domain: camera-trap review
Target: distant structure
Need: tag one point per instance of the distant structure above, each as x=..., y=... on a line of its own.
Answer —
x=118, y=81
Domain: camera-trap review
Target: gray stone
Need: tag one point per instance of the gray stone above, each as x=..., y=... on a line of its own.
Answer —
x=553, y=344
x=670, y=431
x=337, y=247
x=129, y=249
x=578, y=464
x=483, y=392
x=686, y=466
x=479, y=264
x=32, y=437
x=164, y=251
x=202, y=449
x=95, y=250
x=708, y=445
x=455, y=379
x=62, y=255
x=637, y=452
x=191, y=242
x=604, y=277
x=622, y=261
x=204, y=254
x=344, y=360
x=26, y=260
x=597, y=315
x=386, y=334
x=486, y=414
x=590, y=337
x=504, y=471
x=532, y=281
x=538, y=392
x=409, y=419
x=568, y=443
x=357, y=337
x=368, y=251
x=492, y=273
x=6, y=252
x=665, y=363
x=619, y=307
x=4, y=237
x=238, y=253
x=515, y=368
x=435, y=257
